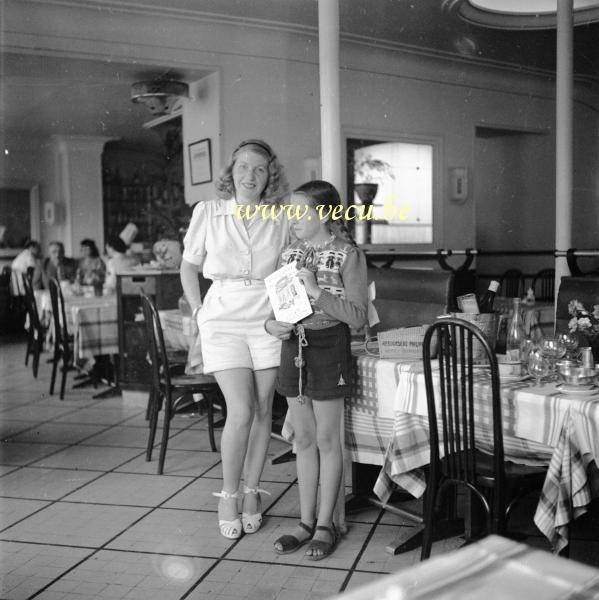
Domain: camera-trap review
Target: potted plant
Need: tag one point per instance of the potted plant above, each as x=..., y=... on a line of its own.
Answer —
x=368, y=173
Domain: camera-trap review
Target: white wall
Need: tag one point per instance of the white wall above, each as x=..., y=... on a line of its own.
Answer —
x=269, y=83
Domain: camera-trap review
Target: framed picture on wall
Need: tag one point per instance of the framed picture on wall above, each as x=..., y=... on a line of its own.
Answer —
x=200, y=162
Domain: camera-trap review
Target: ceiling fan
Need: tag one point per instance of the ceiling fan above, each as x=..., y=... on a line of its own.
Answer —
x=161, y=94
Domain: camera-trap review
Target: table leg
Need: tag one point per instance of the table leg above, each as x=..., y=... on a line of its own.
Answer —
x=114, y=388
x=361, y=497
x=450, y=526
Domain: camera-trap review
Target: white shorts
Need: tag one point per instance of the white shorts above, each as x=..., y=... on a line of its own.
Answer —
x=231, y=323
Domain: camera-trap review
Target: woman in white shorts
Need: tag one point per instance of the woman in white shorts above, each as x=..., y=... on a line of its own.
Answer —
x=237, y=253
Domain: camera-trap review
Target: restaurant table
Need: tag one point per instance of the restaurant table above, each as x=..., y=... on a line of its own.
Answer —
x=91, y=320
x=494, y=568
x=386, y=424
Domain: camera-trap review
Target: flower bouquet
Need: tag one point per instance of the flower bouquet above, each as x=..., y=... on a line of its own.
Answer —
x=583, y=320
x=585, y=324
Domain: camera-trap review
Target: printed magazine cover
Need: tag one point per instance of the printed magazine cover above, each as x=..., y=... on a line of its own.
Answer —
x=287, y=295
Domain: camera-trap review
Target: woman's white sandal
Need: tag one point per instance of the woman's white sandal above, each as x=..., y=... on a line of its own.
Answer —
x=251, y=523
x=229, y=529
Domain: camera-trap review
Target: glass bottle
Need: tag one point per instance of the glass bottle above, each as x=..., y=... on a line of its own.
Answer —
x=485, y=304
x=515, y=332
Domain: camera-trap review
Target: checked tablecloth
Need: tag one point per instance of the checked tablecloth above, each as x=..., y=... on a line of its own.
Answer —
x=386, y=424
x=91, y=320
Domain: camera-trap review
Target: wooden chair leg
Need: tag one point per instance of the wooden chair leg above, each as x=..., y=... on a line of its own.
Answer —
x=210, y=410
x=165, y=430
x=63, y=381
x=151, y=401
x=54, y=368
x=154, y=412
x=429, y=521
x=36, y=358
x=29, y=347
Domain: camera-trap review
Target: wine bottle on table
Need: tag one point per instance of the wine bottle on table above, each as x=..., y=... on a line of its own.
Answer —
x=485, y=304
x=516, y=333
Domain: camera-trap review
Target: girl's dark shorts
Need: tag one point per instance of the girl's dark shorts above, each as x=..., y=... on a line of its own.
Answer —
x=327, y=372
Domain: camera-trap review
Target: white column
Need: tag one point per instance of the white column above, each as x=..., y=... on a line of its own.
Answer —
x=330, y=144
x=330, y=120
x=563, y=141
x=79, y=175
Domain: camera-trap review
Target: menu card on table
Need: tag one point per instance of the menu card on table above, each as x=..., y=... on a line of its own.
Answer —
x=287, y=295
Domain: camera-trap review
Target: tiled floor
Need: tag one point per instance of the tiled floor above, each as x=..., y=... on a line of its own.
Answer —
x=84, y=516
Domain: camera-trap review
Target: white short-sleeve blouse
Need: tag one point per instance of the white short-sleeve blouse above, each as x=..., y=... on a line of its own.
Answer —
x=227, y=246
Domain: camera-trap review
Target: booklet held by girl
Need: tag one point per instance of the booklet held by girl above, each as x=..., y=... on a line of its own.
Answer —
x=287, y=295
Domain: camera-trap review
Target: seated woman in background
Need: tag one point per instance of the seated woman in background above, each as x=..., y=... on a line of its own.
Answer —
x=118, y=261
x=92, y=269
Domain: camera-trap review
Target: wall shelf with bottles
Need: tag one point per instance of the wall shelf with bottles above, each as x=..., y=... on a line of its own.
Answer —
x=150, y=194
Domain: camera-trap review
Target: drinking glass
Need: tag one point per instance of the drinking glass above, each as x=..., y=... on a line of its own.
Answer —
x=538, y=365
x=570, y=342
x=553, y=349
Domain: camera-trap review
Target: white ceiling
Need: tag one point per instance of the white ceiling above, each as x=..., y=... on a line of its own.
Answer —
x=47, y=95
x=44, y=95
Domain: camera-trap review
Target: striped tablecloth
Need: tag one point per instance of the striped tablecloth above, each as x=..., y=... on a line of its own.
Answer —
x=541, y=426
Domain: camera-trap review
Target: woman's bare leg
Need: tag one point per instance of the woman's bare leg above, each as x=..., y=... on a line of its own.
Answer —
x=237, y=386
x=259, y=437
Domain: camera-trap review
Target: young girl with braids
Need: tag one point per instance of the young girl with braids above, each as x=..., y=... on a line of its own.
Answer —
x=315, y=369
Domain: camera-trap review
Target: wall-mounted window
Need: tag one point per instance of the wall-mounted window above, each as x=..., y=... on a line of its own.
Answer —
x=394, y=185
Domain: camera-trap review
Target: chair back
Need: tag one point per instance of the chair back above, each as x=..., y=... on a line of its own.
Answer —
x=543, y=285
x=512, y=283
x=450, y=399
x=409, y=297
x=59, y=318
x=31, y=305
x=155, y=335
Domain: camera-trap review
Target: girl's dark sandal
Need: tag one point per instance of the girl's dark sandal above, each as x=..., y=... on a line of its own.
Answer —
x=289, y=543
x=326, y=548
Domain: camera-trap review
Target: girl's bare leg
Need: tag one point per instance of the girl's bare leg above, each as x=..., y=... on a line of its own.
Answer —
x=307, y=462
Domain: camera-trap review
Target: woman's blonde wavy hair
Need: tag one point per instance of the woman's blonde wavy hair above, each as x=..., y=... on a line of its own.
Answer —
x=276, y=187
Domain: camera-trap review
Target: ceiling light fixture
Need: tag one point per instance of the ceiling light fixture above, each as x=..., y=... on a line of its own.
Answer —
x=161, y=96
x=520, y=14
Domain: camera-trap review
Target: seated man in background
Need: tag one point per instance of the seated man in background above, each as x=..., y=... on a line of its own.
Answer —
x=118, y=261
x=28, y=258
x=55, y=266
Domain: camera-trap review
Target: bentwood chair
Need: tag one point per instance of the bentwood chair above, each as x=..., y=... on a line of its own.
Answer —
x=63, y=352
x=512, y=283
x=36, y=332
x=457, y=459
x=543, y=285
x=169, y=390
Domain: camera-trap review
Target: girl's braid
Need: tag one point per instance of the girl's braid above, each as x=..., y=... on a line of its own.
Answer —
x=340, y=229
